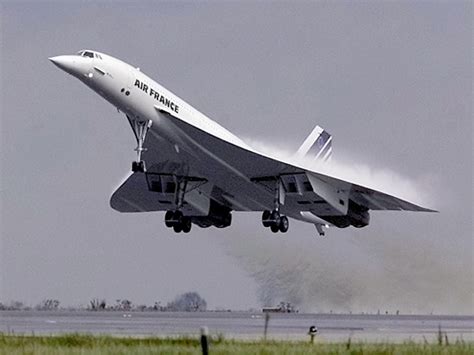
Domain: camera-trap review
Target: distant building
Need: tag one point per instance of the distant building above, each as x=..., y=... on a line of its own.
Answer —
x=283, y=307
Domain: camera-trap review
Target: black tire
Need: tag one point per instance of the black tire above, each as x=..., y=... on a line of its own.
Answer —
x=168, y=217
x=178, y=216
x=265, y=218
x=178, y=228
x=284, y=224
x=138, y=166
x=275, y=217
x=275, y=228
x=186, y=224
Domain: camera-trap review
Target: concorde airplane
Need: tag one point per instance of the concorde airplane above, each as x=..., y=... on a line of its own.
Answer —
x=200, y=173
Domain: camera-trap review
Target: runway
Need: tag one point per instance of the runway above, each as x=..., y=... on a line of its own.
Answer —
x=241, y=325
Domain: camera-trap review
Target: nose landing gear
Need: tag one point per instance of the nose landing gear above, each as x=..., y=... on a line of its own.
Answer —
x=138, y=166
x=140, y=128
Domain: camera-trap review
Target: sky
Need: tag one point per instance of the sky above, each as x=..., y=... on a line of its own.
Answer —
x=391, y=81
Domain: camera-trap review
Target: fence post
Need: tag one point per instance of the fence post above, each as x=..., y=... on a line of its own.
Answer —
x=204, y=341
x=267, y=319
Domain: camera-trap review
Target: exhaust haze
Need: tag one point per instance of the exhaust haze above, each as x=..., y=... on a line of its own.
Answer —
x=377, y=268
x=329, y=275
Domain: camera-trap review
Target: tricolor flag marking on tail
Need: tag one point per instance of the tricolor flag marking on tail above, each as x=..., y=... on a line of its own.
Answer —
x=318, y=145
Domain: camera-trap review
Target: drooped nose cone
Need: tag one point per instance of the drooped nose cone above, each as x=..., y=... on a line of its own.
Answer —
x=73, y=64
x=65, y=62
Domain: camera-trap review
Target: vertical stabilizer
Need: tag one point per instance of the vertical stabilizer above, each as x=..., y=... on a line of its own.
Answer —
x=318, y=145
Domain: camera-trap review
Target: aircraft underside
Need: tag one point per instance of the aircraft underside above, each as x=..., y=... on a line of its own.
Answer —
x=190, y=196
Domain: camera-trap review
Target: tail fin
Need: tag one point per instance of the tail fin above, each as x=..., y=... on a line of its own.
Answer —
x=317, y=146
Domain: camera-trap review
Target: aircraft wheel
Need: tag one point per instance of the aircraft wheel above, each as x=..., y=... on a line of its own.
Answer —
x=284, y=224
x=178, y=228
x=266, y=218
x=138, y=166
x=275, y=228
x=186, y=224
x=178, y=215
x=275, y=217
x=168, y=217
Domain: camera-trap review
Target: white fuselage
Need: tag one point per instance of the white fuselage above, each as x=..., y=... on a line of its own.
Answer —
x=139, y=97
x=145, y=94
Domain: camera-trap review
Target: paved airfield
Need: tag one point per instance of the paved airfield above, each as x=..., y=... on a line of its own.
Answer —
x=241, y=325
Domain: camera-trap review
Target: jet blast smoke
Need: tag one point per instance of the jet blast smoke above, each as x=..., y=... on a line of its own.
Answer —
x=382, y=267
x=353, y=273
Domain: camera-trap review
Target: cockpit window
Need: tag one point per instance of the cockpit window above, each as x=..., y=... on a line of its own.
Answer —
x=87, y=54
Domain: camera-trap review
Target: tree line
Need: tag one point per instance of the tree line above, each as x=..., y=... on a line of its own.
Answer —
x=185, y=302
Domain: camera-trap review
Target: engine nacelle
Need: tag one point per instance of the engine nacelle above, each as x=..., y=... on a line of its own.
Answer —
x=338, y=221
x=359, y=216
x=356, y=216
x=361, y=220
x=219, y=216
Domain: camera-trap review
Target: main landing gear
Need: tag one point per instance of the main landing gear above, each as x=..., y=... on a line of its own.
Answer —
x=273, y=219
x=140, y=128
x=175, y=218
x=276, y=222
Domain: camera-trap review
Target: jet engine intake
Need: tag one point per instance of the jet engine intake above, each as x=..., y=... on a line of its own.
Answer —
x=359, y=216
x=356, y=216
x=219, y=216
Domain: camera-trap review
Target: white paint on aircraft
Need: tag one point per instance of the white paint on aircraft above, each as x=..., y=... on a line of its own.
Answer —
x=199, y=172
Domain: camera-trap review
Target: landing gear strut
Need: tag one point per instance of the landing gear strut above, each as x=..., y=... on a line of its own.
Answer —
x=273, y=219
x=140, y=128
x=175, y=218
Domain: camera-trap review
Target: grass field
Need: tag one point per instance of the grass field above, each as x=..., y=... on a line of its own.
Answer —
x=88, y=344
